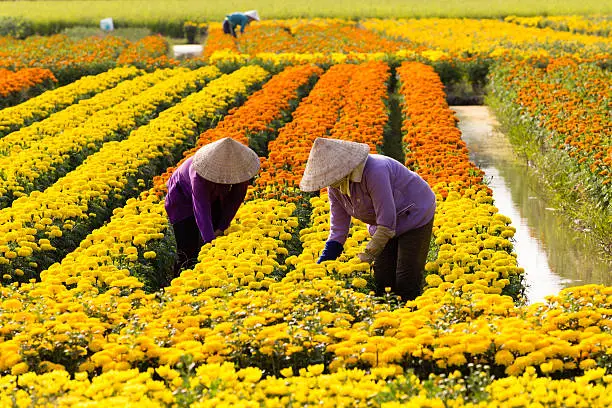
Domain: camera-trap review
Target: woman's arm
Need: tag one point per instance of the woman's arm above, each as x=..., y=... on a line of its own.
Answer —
x=202, y=208
x=339, y=219
x=231, y=203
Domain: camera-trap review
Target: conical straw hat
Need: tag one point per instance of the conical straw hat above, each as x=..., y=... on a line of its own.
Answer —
x=253, y=14
x=330, y=160
x=226, y=161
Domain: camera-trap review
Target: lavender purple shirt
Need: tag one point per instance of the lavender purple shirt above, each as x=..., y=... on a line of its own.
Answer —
x=214, y=205
x=389, y=194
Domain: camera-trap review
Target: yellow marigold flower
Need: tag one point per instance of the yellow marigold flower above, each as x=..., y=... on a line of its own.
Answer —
x=316, y=369
x=250, y=374
x=457, y=359
x=150, y=255
x=287, y=372
x=588, y=364
x=20, y=368
x=546, y=367
x=433, y=280
x=12, y=304
x=359, y=283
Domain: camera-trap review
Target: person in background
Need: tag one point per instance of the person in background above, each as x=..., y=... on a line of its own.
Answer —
x=397, y=204
x=239, y=19
x=204, y=194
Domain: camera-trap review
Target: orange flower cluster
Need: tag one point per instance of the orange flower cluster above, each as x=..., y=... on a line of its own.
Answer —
x=570, y=101
x=218, y=41
x=149, y=52
x=69, y=59
x=315, y=117
x=60, y=51
x=347, y=103
x=256, y=115
x=328, y=37
x=23, y=81
x=432, y=141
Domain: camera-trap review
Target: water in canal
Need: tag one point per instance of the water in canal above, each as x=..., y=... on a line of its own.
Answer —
x=553, y=254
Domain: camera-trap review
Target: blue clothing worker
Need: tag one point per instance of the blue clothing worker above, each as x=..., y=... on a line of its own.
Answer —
x=239, y=19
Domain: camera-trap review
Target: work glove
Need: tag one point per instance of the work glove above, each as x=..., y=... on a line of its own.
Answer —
x=376, y=244
x=332, y=250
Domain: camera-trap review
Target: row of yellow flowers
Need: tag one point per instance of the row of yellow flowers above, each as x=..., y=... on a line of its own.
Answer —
x=490, y=37
x=42, y=106
x=221, y=385
x=36, y=155
x=591, y=24
x=20, y=85
x=84, y=197
x=72, y=116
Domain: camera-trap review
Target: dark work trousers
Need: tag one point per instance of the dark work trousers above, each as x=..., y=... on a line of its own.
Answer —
x=227, y=28
x=188, y=244
x=401, y=264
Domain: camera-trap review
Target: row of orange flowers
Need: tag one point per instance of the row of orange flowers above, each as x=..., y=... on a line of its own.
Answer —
x=336, y=108
x=68, y=59
x=567, y=105
x=17, y=86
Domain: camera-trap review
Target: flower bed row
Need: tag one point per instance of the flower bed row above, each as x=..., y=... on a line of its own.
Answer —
x=489, y=37
x=37, y=165
x=42, y=106
x=330, y=109
x=21, y=85
x=71, y=59
x=84, y=198
x=593, y=24
x=564, y=110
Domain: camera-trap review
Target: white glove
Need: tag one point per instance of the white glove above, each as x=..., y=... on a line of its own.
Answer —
x=376, y=244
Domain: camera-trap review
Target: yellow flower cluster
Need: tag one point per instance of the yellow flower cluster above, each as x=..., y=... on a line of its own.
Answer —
x=482, y=36
x=47, y=215
x=42, y=106
x=114, y=113
x=475, y=254
x=294, y=327
x=593, y=24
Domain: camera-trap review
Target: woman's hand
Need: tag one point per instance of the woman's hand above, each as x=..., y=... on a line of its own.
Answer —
x=364, y=257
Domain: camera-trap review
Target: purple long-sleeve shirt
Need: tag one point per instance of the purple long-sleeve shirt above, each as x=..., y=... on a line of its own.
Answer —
x=214, y=205
x=389, y=194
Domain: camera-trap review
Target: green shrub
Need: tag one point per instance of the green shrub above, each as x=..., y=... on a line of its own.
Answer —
x=16, y=27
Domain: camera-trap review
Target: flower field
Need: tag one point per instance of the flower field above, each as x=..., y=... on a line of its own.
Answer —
x=90, y=314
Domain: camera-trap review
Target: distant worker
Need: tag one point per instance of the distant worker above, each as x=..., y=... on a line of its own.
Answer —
x=239, y=19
